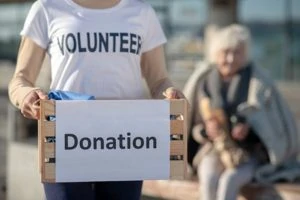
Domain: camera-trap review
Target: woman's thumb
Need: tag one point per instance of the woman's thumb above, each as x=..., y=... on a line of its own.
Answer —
x=41, y=94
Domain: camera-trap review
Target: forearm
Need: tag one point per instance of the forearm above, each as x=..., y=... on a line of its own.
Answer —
x=160, y=86
x=18, y=89
x=30, y=59
x=154, y=70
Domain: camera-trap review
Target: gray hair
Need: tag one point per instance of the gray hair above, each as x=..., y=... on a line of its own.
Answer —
x=229, y=37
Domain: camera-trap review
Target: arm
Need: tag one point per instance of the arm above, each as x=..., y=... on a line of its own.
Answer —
x=154, y=70
x=22, y=92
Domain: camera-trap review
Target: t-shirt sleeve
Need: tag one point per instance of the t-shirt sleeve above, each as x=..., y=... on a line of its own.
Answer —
x=154, y=35
x=36, y=25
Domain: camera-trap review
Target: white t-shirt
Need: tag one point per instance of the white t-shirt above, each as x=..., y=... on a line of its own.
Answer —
x=95, y=51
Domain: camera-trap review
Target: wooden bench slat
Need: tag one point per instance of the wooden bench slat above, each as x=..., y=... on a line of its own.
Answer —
x=292, y=187
x=187, y=189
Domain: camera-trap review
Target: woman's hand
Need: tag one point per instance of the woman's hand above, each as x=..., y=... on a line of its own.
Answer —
x=30, y=107
x=240, y=131
x=173, y=93
x=212, y=128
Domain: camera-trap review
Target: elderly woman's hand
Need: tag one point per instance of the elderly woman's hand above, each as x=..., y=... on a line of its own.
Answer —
x=212, y=128
x=240, y=131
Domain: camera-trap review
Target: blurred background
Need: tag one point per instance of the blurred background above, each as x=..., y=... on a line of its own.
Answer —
x=275, y=28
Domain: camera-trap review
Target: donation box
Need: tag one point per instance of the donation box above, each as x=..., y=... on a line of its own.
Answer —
x=112, y=140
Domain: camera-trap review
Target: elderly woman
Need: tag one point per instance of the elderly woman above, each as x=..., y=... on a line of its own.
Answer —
x=234, y=100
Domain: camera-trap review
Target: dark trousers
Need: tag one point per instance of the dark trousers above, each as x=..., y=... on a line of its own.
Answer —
x=122, y=190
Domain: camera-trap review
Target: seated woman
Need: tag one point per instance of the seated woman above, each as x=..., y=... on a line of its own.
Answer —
x=238, y=117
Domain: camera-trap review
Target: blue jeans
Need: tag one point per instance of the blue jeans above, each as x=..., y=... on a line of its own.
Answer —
x=121, y=190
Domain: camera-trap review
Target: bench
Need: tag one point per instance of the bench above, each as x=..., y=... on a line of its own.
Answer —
x=188, y=190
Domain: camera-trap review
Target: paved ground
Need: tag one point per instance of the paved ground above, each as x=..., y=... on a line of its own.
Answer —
x=2, y=148
x=5, y=75
x=2, y=169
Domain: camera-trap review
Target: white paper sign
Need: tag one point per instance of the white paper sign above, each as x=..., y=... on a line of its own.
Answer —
x=100, y=140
